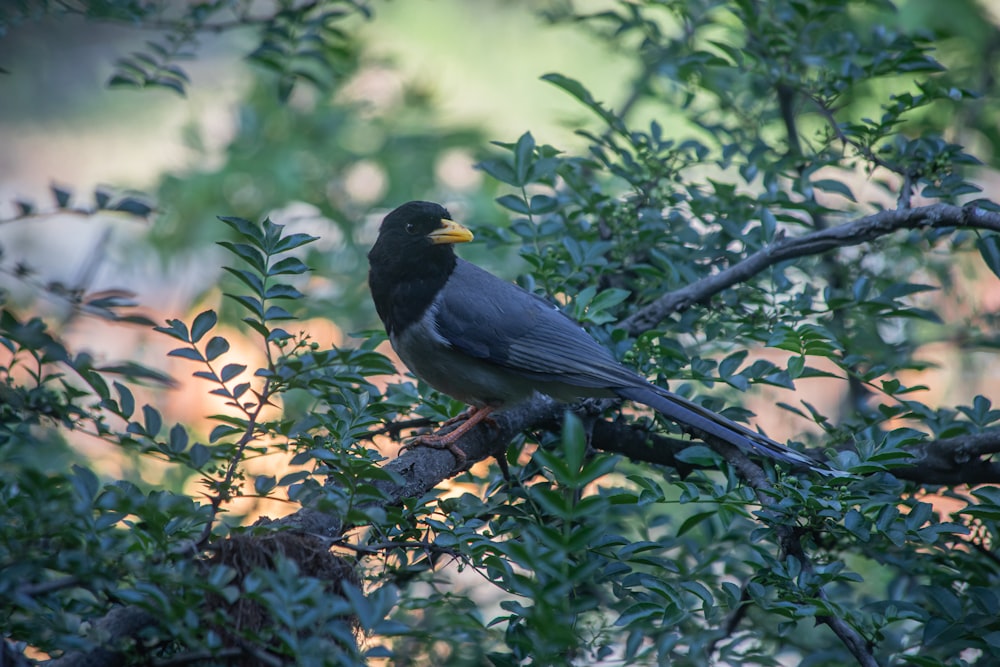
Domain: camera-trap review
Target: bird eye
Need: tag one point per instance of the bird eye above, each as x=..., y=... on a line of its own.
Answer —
x=411, y=228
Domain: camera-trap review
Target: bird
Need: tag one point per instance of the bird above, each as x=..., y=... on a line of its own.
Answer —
x=490, y=344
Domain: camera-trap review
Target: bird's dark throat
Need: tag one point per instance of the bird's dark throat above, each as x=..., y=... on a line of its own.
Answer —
x=404, y=284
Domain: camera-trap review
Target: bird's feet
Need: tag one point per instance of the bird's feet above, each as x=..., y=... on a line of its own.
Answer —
x=438, y=442
x=448, y=440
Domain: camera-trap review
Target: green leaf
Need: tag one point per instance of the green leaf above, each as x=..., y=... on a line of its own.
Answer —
x=125, y=399
x=229, y=371
x=223, y=430
x=731, y=364
x=289, y=265
x=293, y=241
x=178, y=439
x=695, y=520
x=85, y=482
x=294, y=477
x=123, y=79
x=499, y=169
x=608, y=298
x=216, y=346
x=186, y=353
x=176, y=71
x=855, y=523
x=279, y=334
x=523, y=153
x=277, y=313
x=989, y=248
x=257, y=326
x=248, y=254
x=252, y=304
x=134, y=371
x=199, y=455
x=514, y=203
x=153, y=421
x=240, y=389
x=101, y=197
x=25, y=208
x=282, y=291
x=202, y=324
x=133, y=206
x=542, y=204
x=61, y=195
x=698, y=455
x=264, y=484
x=248, y=278
x=173, y=83
x=175, y=329
x=577, y=90
x=831, y=185
x=247, y=229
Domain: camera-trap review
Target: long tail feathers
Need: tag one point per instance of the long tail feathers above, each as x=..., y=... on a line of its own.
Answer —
x=699, y=419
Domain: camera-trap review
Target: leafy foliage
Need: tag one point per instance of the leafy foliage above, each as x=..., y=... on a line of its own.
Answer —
x=772, y=121
x=298, y=41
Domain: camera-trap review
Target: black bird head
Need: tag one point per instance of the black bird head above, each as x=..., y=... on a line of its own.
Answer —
x=411, y=260
x=418, y=227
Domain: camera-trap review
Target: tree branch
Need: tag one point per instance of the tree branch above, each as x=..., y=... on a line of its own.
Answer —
x=954, y=461
x=851, y=233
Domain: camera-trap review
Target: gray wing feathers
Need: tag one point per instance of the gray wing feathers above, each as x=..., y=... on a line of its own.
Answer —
x=700, y=419
x=491, y=319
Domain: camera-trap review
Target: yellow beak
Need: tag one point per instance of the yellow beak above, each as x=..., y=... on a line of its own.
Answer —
x=450, y=232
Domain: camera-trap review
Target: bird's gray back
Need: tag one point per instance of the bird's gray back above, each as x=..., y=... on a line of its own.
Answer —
x=498, y=322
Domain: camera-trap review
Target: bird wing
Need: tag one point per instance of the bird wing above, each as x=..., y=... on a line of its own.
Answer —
x=496, y=321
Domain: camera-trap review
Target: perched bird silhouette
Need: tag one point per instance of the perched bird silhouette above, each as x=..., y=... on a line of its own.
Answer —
x=490, y=344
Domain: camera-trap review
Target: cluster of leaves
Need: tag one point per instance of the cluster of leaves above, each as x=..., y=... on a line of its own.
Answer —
x=300, y=41
x=113, y=304
x=131, y=546
x=668, y=230
x=306, y=43
x=105, y=199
